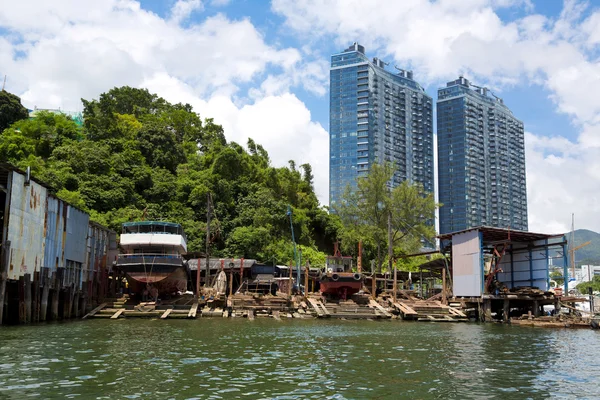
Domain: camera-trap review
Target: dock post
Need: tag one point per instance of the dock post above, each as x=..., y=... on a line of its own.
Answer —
x=45, y=289
x=22, y=306
x=27, y=292
x=290, y=280
x=55, y=295
x=68, y=302
x=306, y=278
x=4, y=262
x=444, y=297
x=536, y=308
x=506, y=311
x=36, y=297
x=230, y=281
x=76, y=304
x=374, y=286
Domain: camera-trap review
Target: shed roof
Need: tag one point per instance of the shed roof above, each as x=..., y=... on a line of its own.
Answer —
x=153, y=223
x=215, y=263
x=491, y=234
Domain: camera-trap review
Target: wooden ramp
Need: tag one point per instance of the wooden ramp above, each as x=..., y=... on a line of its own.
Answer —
x=428, y=310
x=95, y=310
x=317, y=306
x=406, y=312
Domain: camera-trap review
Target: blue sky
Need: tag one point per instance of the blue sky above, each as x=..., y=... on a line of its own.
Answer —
x=260, y=68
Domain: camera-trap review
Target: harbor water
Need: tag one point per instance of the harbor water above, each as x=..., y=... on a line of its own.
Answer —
x=310, y=359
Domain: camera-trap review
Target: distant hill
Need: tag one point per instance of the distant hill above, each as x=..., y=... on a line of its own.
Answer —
x=589, y=254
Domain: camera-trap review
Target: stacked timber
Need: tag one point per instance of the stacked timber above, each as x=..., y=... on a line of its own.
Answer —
x=259, y=305
x=118, y=308
x=428, y=310
x=347, y=309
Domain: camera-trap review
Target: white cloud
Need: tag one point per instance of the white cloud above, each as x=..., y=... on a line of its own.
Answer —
x=76, y=52
x=182, y=9
x=443, y=39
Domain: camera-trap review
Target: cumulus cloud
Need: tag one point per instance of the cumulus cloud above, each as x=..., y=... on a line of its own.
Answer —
x=183, y=8
x=442, y=39
x=75, y=51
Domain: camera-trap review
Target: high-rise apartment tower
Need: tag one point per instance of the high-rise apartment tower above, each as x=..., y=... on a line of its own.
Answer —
x=376, y=116
x=481, y=160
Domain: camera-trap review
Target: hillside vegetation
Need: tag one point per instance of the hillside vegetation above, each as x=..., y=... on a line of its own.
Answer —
x=589, y=254
x=138, y=156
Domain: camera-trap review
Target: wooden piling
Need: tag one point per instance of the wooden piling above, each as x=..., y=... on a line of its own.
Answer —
x=35, y=317
x=55, y=295
x=374, y=286
x=45, y=290
x=27, y=292
x=444, y=297
x=4, y=263
x=75, y=304
x=68, y=302
x=506, y=311
x=22, y=306
x=230, y=281
x=536, y=308
x=487, y=310
x=306, y=278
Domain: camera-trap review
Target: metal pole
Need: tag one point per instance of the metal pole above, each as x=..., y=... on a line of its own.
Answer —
x=391, y=254
x=208, y=216
x=565, y=268
x=289, y=213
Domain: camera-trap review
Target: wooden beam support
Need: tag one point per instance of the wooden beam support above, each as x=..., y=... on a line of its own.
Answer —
x=166, y=313
x=95, y=310
x=118, y=313
x=193, y=310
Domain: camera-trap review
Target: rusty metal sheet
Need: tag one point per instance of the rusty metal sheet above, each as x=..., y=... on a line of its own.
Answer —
x=26, y=226
x=77, y=229
x=54, y=231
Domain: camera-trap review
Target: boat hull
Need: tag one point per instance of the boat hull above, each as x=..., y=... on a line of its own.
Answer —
x=154, y=279
x=344, y=286
x=157, y=283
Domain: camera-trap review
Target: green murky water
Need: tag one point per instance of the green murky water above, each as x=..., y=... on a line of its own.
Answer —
x=266, y=359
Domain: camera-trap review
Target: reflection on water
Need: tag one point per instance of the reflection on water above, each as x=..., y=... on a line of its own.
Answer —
x=266, y=359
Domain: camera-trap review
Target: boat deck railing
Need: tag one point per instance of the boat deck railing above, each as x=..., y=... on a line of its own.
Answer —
x=145, y=258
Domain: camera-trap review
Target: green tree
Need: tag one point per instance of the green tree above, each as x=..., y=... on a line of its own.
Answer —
x=364, y=213
x=584, y=287
x=11, y=109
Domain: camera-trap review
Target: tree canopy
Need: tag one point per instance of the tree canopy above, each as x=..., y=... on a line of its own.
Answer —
x=365, y=212
x=11, y=109
x=139, y=155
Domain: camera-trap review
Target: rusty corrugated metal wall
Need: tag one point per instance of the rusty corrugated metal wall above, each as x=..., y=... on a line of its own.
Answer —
x=54, y=255
x=26, y=220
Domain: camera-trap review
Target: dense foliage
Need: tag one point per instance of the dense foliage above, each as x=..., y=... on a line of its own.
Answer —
x=11, y=109
x=138, y=156
x=368, y=211
x=583, y=288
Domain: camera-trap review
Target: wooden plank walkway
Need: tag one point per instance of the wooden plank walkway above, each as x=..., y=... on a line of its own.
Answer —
x=406, y=310
x=193, y=311
x=378, y=306
x=95, y=310
x=315, y=305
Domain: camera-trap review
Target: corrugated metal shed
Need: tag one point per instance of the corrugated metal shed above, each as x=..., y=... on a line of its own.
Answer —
x=215, y=263
x=77, y=230
x=26, y=226
x=54, y=234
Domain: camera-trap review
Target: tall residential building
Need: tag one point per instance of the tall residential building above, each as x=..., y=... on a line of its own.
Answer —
x=481, y=160
x=376, y=116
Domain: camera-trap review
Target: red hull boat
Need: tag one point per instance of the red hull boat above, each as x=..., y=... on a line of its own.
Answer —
x=338, y=279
